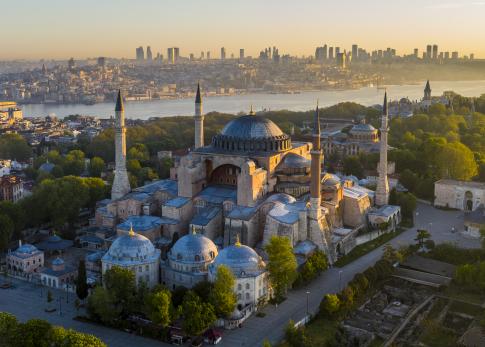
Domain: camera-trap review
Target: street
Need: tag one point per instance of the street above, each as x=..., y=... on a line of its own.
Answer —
x=25, y=300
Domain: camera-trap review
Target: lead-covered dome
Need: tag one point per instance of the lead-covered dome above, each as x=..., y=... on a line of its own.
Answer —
x=27, y=249
x=251, y=133
x=193, y=248
x=131, y=248
x=242, y=260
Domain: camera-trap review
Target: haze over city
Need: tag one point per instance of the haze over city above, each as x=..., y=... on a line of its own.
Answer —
x=55, y=29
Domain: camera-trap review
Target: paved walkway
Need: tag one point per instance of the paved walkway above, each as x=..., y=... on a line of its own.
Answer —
x=25, y=301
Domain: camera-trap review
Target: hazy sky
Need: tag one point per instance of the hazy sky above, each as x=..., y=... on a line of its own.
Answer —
x=88, y=28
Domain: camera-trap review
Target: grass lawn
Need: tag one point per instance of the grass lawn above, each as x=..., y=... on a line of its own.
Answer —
x=367, y=247
x=320, y=331
x=456, y=292
x=435, y=335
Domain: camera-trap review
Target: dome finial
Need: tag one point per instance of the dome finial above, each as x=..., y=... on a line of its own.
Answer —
x=237, y=243
x=131, y=233
x=251, y=112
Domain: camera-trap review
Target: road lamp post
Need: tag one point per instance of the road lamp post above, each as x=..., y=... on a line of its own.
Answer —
x=307, y=303
x=340, y=280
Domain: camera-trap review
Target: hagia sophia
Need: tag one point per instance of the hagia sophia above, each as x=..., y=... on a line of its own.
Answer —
x=225, y=200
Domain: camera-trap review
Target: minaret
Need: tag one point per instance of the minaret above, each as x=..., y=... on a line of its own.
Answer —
x=121, y=184
x=427, y=91
x=382, y=191
x=318, y=231
x=199, y=120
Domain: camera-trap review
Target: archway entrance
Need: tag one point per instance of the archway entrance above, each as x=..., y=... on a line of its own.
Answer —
x=468, y=203
x=225, y=174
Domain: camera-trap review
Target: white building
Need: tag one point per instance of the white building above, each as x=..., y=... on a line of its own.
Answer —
x=251, y=279
x=188, y=261
x=59, y=275
x=134, y=252
x=25, y=260
x=461, y=195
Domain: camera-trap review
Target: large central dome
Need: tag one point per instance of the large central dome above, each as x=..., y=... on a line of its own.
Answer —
x=251, y=133
x=254, y=127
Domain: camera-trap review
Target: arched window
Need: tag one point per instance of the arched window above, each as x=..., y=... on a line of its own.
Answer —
x=247, y=285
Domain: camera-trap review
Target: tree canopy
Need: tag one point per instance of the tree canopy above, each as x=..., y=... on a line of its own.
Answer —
x=281, y=264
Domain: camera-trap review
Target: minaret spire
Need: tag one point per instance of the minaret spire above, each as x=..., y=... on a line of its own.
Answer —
x=382, y=191
x=121, y=184
x=199, y=120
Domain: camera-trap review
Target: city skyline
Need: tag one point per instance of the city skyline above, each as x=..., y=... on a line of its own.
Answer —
x=56, y=30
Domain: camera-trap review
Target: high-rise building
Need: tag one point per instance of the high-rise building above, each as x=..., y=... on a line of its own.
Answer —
x=435, y=52
x=140, y=54
x=472, y=56
x=149, y=53
x=325, y=52
x=223, y=53
x=429, y=50
x=191, y=57
x=447, y=55
x=330, y=53
x=241, y=53
x=208, y=55
x=202, y=55
x=101, y=61
x=342, y=60
x=454, y=56
x=173, y=54
x=71, y=64
x=416, y=52
x=355, y=52
x=337, y=51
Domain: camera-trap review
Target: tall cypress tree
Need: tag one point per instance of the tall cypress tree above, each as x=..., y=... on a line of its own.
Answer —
x=81, y=283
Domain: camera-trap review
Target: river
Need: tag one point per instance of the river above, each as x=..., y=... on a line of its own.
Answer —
x=234, y=104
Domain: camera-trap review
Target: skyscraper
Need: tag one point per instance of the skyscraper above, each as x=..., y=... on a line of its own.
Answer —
x=435, y=52
x=429, y=50
x=241, y=53
x=416, y=52
x=330, y=53
x=149, y=53
x=121, y=184
x=208, y=55
x=355, y=52
x=173, y=54
x=382, y=191
x=140, y=54
x=176, y=52
x=223, y=53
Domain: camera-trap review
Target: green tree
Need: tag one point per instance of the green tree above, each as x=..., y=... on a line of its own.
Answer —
x=102, y=306
x=121, y=285
x=198, y=316
x=346, y=297
x=353, y=166
x=34, y=333
x=159, y=306
x=138, y=152
x=15, y=147
x=6, y=231
x=281, y=264
x=330, y=305
x=74, y=163
x=296, y=337
x=96, y=166
x=222, y=296
x=70, y=338
x=81, y=282
x=482, y=236
x=390, y=254
x=421, y=237
x=8, y=329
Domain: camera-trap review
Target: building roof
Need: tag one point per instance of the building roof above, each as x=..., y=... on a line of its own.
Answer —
x=242, y=260
x=448, y=182
x=198, y=99
x=161, y=185
x=429, y=265
x=54, y=243
x=205, y=216
x=25, y=251
x=47, y=167
x=119, y=102
x=251, y=127
x=131, y=249
x=177, y=202
x=292, y=160
x=193, y=248
x=385, y=211
x=140, y=223
x=218, y=194
x=363, y=127
x=287, y=213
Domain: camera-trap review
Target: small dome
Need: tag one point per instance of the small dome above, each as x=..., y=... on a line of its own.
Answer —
x=363, y=128
x=58, y=262
x=292, y=161
x=129, y=248
x=27, y=249
x=330, y=180
x=281, y=197
x=242, y=260
x=193, y=248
